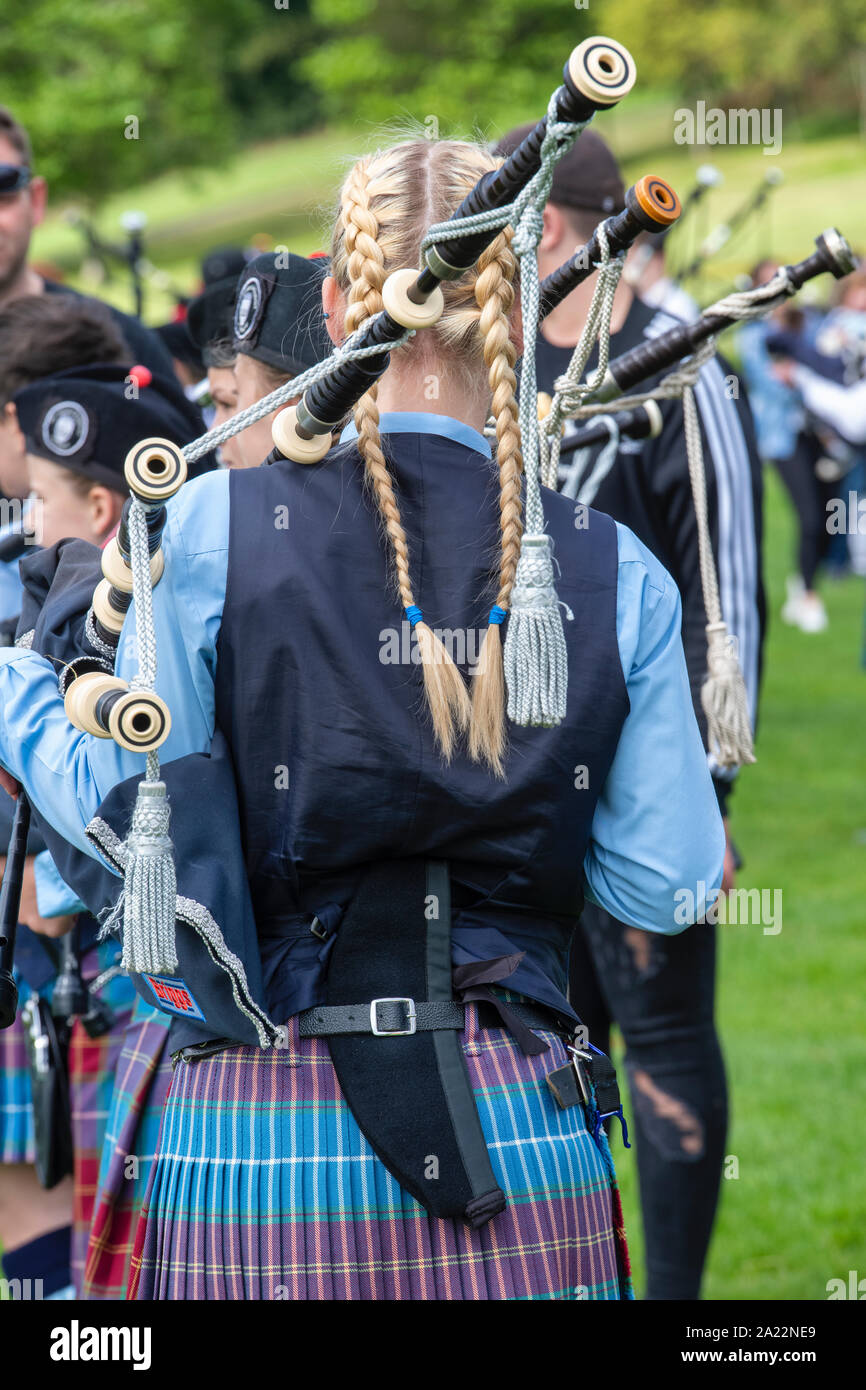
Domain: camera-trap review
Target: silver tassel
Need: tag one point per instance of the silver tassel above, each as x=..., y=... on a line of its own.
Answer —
x=725, y=702
x=535, y=655
x=150, y=886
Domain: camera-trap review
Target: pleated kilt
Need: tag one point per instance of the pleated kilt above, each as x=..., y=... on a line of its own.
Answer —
x=16, y=1098
x=265, y=1188
x=93, y=1064
x=17, y=1143
x=140, y=1085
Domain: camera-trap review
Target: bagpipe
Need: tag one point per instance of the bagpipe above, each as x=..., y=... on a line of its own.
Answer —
x=721, y=235
x=70, y=996
x=706, y=177
x=10, y=903
x=639, y=364
x=681, y=352
x=832, y=255
x=131, y=255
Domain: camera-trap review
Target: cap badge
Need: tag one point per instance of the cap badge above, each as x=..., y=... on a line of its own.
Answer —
x=248, y=310
x=65, y=428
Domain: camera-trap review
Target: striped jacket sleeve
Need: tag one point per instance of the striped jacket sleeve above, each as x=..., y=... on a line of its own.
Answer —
x=735, y=498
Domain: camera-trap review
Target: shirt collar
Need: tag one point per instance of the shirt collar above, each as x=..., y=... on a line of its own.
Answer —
x=419, y=422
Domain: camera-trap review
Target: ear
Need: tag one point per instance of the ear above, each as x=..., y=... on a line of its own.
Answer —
x=38, y=190
x=554, y=228
x=105, y=506
x=10, y=414
x=334, y=308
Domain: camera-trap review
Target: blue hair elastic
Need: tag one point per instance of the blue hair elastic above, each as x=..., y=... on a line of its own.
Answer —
x=413, y=613
x=496, y=616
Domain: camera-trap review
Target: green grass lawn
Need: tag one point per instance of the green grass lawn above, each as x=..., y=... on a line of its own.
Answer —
x=790, y=1006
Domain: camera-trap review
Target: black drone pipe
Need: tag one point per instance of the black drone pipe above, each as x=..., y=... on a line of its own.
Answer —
x=10, y=904
x=644, y=422
x=651, y=205
x=711, y=179
x=624, y=373
x=598, y=73
x=752, y=205
x=70, y=997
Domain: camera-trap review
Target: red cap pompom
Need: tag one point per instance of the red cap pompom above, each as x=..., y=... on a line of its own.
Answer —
x=142, y=376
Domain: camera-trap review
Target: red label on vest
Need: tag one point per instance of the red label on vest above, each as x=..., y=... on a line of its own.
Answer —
x=174, y=996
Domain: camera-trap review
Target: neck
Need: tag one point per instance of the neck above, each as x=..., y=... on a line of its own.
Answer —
x=410, y=386
x=563, y=327
x=25, y=282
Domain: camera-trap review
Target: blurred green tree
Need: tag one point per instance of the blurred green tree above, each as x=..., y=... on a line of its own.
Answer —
x=115, y=91
x=381, y=59
x=385, y=60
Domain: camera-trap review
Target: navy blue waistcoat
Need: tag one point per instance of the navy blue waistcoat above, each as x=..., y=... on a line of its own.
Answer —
x=322, y=706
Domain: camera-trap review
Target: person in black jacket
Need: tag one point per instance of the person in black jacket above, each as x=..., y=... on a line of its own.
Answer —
x=660, y=990
x=23, y=197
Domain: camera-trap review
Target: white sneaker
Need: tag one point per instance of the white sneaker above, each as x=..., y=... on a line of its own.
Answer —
x=792, y=606
x=813, y=614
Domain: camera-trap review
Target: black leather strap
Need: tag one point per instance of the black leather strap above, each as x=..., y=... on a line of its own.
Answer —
x=410, y=1093
x=393, y=1016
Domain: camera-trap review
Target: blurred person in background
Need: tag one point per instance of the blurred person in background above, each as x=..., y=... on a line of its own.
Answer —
x=23, y=198
x=278, y=332
x=646, y=272
x=786, y=440
x=219, y=270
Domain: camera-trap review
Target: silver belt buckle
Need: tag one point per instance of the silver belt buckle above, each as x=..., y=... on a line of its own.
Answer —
x=411, y=1018
x=576, y=1056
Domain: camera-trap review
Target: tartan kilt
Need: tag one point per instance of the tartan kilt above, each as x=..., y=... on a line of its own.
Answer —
x=17, y=1144
x=140, y=1085
x=16, y=1098
x=92, y=1065
x=265, y=1188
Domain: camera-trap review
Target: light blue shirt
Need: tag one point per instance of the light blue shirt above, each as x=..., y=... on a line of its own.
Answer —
x=54, y=898
x=10, y=582
x=656, y=829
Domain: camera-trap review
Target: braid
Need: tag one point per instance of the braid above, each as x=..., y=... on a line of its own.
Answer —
x=494, y=292
x=445, y=691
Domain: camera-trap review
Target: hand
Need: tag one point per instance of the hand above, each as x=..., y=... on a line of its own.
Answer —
x=29, y=912
x=9, y=784
x=783, y=370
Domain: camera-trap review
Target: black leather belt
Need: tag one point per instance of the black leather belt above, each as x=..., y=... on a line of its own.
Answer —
x=401, y=1017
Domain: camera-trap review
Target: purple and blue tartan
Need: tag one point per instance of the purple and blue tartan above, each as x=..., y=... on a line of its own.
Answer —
x=16, y=1098
x=140, y=1086
x=92, y=1065
x=265, y=1188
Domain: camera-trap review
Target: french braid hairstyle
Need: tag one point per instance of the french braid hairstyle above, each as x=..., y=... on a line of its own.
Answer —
x=386, y=204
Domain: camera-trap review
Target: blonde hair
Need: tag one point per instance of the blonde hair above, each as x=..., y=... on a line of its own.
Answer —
x=387, y=203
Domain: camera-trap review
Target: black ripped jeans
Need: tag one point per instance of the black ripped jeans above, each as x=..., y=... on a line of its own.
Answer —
x=659, y=990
